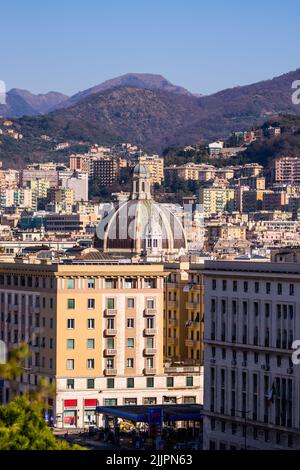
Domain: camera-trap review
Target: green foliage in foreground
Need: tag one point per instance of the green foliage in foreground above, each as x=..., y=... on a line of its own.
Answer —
x=22, y=426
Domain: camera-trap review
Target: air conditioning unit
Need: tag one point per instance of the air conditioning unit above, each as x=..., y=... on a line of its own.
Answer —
x=265, y=367
x=233, y=362
x=290, y=370
x=244, y=364
x=213, y=361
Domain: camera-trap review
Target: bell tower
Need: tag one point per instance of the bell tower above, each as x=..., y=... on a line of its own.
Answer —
x=141, y=182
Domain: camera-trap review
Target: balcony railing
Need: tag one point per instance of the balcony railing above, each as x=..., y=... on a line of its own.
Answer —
x=149, y=351
x=149, y=331
x=111, y=312
x=192, y=305
x=110, y=352
x=150, y=312
x=172, y=341
x=110, y=371
x=110, y=332
x=149, y=371
x=191, y=343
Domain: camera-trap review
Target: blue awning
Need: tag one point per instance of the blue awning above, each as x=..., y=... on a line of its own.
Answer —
x=140, y=413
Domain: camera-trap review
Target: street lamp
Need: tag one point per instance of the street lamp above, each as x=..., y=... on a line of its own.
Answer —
x=244, y=415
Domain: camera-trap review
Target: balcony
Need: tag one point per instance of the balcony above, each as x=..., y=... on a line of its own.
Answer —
x=149, y=371
x=173, y=321
x=172, y=341
x=150, y=312
x=111, y=312
x=110, y=372
x=149, y=331
x=110, y=332
x=192, y=306
x=191, y=343
x=110, y=352
x=182, y=370
x=149, y=351
x=172, y=304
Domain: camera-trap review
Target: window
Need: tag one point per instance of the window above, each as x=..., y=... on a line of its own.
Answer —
x=90, y=363
x=91, y=283
x=91, y=343
x=130, y=362
x=130, y=283
x=234, y=286
x=256, y=287
x=70, y=323
x=110, y=383
x=110, y=363
x=91, y=323
x=245, y=286
x=110, y=343
x=268, y=288
x=110, y=284
x=292, y=290
x=110, y=401
x=149, y=401
x=91, y=303
x=278, y=358
x=279, y=289
x=130, y=383
x=70, y=343
x=130, y=342
x=110, y=303
x=150, y=303
x=150, y=342
x=170, y=381
x=130, y=303
x=149, y=363
x=71, y=304
x=70, y=364
x=224, y=284
x=130, y=322
x=150, y=382
x=90, y=383
x=214, y=284
x=70, y=384
x=189, y=381
x=71, y=283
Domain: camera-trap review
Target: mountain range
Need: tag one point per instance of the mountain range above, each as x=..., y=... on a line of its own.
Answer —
x=144, y=109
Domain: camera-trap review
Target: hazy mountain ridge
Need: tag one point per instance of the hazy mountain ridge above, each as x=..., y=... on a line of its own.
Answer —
x=23, y=102
x=156, y=118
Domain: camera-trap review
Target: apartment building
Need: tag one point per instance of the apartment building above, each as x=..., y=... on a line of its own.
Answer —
x=65, y=222
x=287, y=170
x=217, y=199
x=252, y=388
x=274, y=200
x=105, y=170
x=155, y=165
x=183, y=335
x=95, y=329
x=80, y=162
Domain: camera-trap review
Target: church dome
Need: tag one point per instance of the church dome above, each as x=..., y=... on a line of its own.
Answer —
x=141, y=170
x=140, y=226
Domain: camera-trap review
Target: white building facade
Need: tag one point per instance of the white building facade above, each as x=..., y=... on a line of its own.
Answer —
x=251, y=386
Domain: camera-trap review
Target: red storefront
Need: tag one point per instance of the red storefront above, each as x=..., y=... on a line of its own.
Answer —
x=89, y=413
x=70, y=414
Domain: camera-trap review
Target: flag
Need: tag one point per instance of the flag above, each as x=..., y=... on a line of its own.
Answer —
x=188, y=323
x=271, y=394
x=187, y=287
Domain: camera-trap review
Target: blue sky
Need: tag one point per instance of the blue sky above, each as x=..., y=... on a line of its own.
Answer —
x=205, y=46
